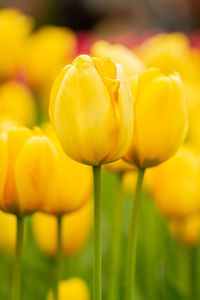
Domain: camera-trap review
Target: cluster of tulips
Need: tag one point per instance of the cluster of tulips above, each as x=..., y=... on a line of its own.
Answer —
x=133, y=111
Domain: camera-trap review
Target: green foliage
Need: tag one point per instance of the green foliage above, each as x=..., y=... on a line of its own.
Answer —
x=166, y=269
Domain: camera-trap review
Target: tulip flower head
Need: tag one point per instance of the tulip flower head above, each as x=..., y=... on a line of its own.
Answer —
x=176, y=184
x=120, y=55
x=75, y=230
x=65, y=197
x=14, y=31
x=27, y=168
x=170, y=53
x=72, y=289
x=160, y=114
x=92, y=111
x=48, y=50
x=17, y=103
x=188, y=230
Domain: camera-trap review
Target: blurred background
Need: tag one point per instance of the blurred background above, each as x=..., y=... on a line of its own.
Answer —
x=171, y=268
x=114, y=16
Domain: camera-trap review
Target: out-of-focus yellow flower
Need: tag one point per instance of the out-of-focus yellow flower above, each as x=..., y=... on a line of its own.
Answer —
x=27, y=167
x=7, y=124
x=92, y=110
x=75, y=230
x=72, y=289
x=119, y=166
x=160, y=118
x=194, y=113
x=188, y=230
x=73, y=184
x=119, y=55
x=171, y=53
x=130, y=178
x=7, y=232
x=14, y=30
x=129, y=182
x=48, y=51
x=17, y=103
x=176, y=184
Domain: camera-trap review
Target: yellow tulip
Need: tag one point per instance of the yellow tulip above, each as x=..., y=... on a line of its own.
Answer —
x=119, y=166
x=65, y=196
x=7, y=232
x=188, y=230
x=75, y=230
x=17, y=103
x=170, y=53
x=27, y=167
x=120, y=55
x=92, y=110
x=72, y=289
x=176, y=184
x=194, y=112
x=48, y=50
x=7, y=124
x=130, y=178
x=14, y=31
x=160, y=118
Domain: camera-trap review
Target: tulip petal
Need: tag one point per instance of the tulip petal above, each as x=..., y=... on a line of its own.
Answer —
x=16, y=138
x=84, y=114
x=34, y=172
x=160, y=123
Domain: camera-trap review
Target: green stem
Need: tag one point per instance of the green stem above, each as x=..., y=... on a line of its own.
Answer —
x=132, y=240
x=58, y=264
x=116, y=235
x=97, y=234
x=193, y=273
x=17, y=262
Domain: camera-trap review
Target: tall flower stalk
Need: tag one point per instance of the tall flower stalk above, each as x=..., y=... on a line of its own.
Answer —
x=58, y=262
x=115, y=252
x=132, y=239
x=16, y=284
x=97, y=293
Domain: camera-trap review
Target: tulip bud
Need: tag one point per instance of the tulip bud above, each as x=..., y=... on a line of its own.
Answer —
x=160, y=118
x=48, y=50
x=72, y=289
x=17, y=103
x=168, y=52
x=119, y=55
x=176, y=184
x=75, y=230
x=92, y=110
x=65, y=196
x=15, y=28
x=27, y=168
